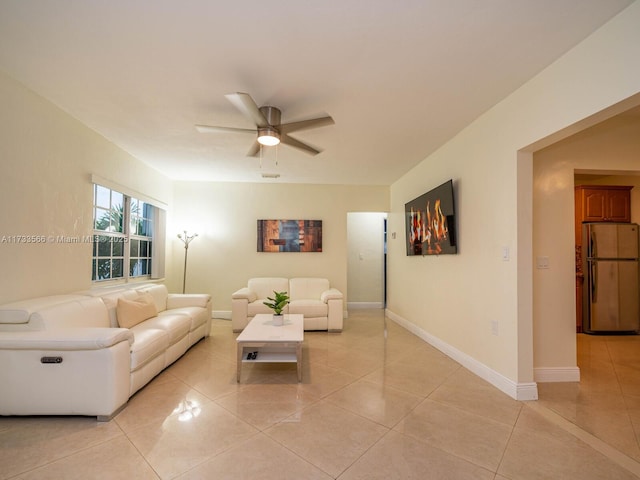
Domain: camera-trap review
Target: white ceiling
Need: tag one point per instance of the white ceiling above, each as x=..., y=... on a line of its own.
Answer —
x=399, y=77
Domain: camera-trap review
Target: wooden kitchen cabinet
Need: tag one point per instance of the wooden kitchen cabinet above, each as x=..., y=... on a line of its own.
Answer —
x=596, y=203
x=603, y=203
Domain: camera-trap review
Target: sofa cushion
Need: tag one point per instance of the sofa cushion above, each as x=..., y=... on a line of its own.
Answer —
x=307, y=288
x=264, y=287
x=19, y=312
x=148, y=343
x=132, y=312
x=309, y=308
x=180, y=300
x=159, y=294
x=257, y=307
x=197, y=315
x=175, y=324
x=84, y=312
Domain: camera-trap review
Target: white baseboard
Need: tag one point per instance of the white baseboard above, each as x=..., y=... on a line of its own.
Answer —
x=556, y=374
x=357, y=305
x=518, y=391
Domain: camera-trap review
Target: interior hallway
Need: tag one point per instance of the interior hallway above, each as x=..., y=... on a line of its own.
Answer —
x=375, y=402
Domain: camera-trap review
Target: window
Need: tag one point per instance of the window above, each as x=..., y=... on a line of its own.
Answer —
x=123, y=235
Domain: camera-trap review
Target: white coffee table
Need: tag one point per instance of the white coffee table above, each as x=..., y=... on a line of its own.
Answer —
x=272, y=343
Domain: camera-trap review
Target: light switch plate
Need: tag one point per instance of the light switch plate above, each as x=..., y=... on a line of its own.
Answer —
x=542, y=262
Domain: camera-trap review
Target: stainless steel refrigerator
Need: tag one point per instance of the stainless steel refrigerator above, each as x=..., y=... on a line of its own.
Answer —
x=612, y=278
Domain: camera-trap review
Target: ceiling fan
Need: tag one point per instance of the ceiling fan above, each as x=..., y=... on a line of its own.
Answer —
x=268, y=127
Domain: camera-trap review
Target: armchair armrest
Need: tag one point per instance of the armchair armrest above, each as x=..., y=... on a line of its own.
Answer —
x=246, y=294
x=331, y=294
x=179, y=300
x=89, y=373
x=67, y=339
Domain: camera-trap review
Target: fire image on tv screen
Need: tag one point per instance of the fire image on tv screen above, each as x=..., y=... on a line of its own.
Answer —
x=431, y=223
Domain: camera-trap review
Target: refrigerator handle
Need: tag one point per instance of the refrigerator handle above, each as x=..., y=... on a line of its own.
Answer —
x=594, y=282
x=593, y=245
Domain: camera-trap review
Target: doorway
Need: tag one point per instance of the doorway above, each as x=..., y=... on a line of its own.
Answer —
x=366, y=260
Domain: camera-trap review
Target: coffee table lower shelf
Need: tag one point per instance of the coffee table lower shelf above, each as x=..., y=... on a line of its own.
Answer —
x=272, y=357
x=283, y=353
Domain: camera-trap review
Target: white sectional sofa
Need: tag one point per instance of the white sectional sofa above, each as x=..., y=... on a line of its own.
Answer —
x=321, y=305
x=86, y=354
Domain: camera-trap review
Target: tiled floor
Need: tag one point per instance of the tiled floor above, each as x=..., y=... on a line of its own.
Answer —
x=376, y=402
x=606, y=402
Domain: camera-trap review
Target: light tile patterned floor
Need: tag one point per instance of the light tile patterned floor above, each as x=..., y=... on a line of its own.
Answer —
x=376, y=402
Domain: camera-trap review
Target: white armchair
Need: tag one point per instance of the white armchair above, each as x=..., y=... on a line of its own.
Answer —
x=246, y=303
x=321, y=305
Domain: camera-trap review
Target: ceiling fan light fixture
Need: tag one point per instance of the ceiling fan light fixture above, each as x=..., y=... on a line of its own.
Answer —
x=268, y=136
x=271, y=131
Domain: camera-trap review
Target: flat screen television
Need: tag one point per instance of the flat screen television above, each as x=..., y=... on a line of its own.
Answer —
x=431, y=222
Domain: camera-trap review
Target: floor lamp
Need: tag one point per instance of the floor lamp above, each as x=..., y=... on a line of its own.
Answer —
x=186, y=239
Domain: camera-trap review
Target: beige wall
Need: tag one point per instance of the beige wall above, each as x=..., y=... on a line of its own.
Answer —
x=224, y=256
x=612, y=145
x=491, y=164
x=46, y=162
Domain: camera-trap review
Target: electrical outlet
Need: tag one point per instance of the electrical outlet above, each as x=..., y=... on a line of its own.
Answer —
x=494, y=327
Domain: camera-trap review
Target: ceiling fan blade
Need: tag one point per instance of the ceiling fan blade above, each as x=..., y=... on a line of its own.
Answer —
x=292, y=142
x=254, y=150
x=212, y=129
x=244, y=103
x=305, y=124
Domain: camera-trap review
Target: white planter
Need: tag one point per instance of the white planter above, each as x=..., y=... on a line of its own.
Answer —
x=278, y=319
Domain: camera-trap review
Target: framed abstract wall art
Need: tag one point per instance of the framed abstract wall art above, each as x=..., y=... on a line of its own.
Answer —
x=289, y=235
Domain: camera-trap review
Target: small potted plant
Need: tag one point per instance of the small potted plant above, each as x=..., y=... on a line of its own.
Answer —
x=277, y=304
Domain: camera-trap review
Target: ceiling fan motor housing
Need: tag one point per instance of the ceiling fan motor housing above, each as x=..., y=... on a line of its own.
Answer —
x=272, y=114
